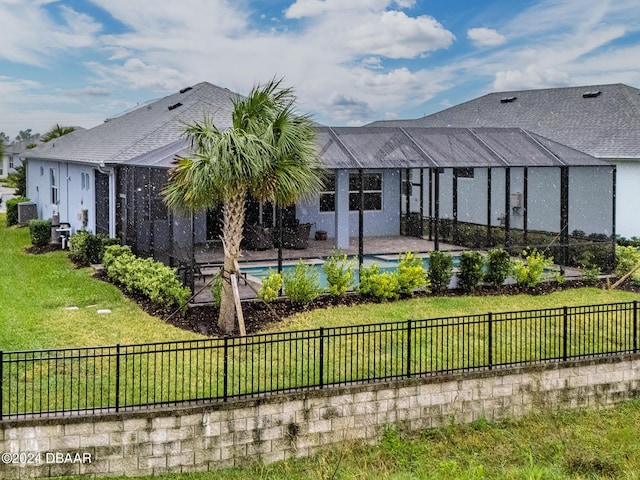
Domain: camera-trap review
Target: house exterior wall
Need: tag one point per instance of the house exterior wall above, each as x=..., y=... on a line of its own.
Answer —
x=590, y=198
x=72, y=197
x=627, y=196
x=376, y=223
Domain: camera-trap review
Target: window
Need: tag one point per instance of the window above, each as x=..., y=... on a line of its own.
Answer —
x=10, y=161
x=54, y=186
x=372, y=183
x=463, y=172
x=372, y=186
x=85, y=181
x=328, y=195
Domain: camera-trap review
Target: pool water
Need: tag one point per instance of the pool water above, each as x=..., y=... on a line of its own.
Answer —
x=387, y=263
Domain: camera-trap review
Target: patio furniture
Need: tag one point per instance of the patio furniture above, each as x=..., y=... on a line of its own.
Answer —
x=256, y=237
x=295, y=237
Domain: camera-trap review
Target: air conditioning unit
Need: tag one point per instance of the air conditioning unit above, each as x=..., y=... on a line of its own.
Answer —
x=27, y=211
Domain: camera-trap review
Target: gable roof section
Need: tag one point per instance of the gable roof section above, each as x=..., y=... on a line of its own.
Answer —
x=604, y=124
x=142, y=130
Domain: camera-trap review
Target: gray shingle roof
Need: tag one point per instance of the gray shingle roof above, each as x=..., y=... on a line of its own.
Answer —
x=143, y=129
x=606, y=125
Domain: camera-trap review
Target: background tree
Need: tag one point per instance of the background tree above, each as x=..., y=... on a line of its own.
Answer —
x=26, y=136
x=56, y=132
x=269, y=152
x=4, y=138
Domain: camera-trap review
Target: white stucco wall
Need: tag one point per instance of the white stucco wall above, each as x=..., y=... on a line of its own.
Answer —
x=376, y=223
x=72, y=198
x=590, y=198
x=627, y=197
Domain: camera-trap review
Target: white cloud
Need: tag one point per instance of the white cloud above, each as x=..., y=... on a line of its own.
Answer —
x=395, y=35
x=533, y=76
x=313, y=8
x=485, y=37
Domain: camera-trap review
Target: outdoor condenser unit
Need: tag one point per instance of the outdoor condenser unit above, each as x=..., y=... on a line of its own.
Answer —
x=27, y=211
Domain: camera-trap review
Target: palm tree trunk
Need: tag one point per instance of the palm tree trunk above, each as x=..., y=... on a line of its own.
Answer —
x=233, y=221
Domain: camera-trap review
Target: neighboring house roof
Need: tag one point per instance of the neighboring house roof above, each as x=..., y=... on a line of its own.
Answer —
x=142, y=130
x=601, y=120
x=394, y=147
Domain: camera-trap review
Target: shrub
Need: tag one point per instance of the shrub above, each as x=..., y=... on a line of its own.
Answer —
x=339, y=272
x=471, y=270
x=410, y=273
x=145, y=277
x=303, y=284
x=440, y=268
x=271, y=285
x=499, y=266
x=40, y=232
x=86, y=248
x=530, y=273
x=381, y=286
x=216, y=290
x=626, y=259
x=12, y=210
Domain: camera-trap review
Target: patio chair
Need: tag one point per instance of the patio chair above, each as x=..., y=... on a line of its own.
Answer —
x=295, y=237
x=256, y=237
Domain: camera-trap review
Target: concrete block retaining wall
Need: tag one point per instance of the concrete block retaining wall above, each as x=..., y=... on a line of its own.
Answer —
x=214, y=436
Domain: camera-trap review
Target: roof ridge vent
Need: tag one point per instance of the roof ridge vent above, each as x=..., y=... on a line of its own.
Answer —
x=174, y=106
x=186, y=89
x=591, y=94
x=508, y=99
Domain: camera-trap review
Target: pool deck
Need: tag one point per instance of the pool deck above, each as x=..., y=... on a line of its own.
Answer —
x=388, y=247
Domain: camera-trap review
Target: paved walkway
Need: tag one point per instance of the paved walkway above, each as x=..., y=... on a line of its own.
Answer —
x=5, y=194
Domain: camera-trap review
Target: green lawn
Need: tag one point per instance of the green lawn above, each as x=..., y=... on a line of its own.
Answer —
x=36, y=289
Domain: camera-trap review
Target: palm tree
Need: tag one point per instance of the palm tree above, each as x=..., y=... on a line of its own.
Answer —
x=56, y=132
x=269, y=152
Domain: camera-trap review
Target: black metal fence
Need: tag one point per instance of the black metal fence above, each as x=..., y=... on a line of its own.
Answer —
x=117, y=378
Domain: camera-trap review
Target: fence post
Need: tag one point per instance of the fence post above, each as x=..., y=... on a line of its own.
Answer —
x=565, y=329
x=490, y=340
x=409, y=347
x=225, y=378
x=635, y=327
x=117, y=377
x=321, y=357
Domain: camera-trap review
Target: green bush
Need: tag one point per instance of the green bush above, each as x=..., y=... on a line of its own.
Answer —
x=216, y=290
x=339, y=272
x=530, y=272
x=271, y=286
x=40, y=232
x=626, y=259
x=381, y=286
x=410, y=273
x=12, y=210
x=499, y=266
x=471, y=270
x=303, y=284
x=440, y=269
x=145, y=277
x=86, y=248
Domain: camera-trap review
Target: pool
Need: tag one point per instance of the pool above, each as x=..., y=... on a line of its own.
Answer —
x=387, y=263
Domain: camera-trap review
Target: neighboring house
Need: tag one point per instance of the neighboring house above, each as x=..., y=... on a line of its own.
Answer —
x=12, y=158
x=601, y=120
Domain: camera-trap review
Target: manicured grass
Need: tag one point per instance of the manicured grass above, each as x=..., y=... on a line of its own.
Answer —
x=586, y=444
x=437, y=307
x=36, y=289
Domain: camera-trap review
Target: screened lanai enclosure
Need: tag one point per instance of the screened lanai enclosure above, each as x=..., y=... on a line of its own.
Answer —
x=472, y=188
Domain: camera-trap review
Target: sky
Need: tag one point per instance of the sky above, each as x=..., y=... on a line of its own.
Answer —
x=350, y=62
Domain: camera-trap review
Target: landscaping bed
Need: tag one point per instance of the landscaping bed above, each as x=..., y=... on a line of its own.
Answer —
x=258, y=316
